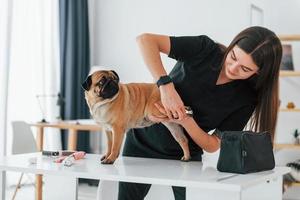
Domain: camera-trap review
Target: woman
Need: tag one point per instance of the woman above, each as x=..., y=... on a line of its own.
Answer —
x=223, y=86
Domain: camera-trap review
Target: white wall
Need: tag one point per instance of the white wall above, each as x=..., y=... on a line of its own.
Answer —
x=114, y=26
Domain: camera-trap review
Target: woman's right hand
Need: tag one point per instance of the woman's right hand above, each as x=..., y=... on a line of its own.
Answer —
x=172, y=102
x=151, y=45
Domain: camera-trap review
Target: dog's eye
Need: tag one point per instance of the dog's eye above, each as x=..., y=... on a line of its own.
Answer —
x=102, y=81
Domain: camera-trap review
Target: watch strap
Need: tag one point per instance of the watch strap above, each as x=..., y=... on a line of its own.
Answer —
x=163, y=80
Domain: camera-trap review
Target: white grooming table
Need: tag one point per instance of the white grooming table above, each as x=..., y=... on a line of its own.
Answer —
x=203, y=181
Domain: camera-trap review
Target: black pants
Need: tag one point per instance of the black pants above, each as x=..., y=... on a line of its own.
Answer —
x=138, y=191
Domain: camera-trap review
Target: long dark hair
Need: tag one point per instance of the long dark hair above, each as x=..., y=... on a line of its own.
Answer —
x=266, y=51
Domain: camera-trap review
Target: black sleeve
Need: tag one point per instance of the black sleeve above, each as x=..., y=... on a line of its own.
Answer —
x=237, y=120
x=186, y=47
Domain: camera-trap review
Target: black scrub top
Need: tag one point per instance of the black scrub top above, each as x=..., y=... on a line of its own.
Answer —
x=225, y=107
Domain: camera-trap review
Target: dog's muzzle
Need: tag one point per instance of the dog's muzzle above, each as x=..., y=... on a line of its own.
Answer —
x=109, y=89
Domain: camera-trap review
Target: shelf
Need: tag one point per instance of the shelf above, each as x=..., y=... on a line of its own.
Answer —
x=287, y=146
x=287, y=73
x=294, y=37
x=295, y=184
x=289, y=109
x=292, y=184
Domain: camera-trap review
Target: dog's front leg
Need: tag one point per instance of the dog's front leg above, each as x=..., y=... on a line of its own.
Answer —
x=117, y=139
x=109, y=144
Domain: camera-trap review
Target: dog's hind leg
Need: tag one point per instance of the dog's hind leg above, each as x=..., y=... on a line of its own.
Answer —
x=177, y=132
x=109, y=144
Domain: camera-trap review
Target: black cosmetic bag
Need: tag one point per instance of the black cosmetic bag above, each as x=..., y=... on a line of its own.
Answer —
x=245, y=152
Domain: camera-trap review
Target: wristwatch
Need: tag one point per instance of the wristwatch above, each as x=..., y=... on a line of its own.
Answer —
x=163, y=80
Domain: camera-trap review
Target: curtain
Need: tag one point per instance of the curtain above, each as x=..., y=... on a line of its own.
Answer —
x=5, y=29
x=33, y=68
x=74, y=63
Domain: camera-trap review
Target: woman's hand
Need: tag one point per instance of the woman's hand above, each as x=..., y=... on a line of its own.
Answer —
x=173, y=105
x=163, y=111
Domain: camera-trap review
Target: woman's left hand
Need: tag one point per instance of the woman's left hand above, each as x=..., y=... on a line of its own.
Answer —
x=162, y=110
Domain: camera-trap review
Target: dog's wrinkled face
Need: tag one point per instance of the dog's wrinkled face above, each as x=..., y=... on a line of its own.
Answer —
x=103, y=84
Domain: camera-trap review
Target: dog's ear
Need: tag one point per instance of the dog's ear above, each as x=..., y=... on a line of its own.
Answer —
x=86, y=85
x=115, y=73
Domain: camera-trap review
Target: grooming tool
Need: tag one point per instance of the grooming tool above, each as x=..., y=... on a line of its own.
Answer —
x=57, y=153
x=69, y=160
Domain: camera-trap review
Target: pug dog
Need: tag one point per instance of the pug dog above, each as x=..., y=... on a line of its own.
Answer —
x=117, y=107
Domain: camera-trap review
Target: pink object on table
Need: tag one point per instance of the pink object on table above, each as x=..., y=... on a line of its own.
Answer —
x=60, y=159
x=77, y=156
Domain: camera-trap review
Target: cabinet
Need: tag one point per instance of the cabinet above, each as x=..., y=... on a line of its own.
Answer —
x=283, y=74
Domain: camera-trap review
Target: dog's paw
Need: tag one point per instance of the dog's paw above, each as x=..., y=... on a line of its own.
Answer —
x=185, y=159
x=103, y=158
x=107, y=161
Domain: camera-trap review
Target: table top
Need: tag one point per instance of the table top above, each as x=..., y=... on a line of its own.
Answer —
x=79, y=124
x=141, y=170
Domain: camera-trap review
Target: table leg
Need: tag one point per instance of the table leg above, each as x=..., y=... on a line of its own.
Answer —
x=194, y=193
x=72, y=139
x=272, y=189
x=39, y=178
x=40, y=138
x=39, y=187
